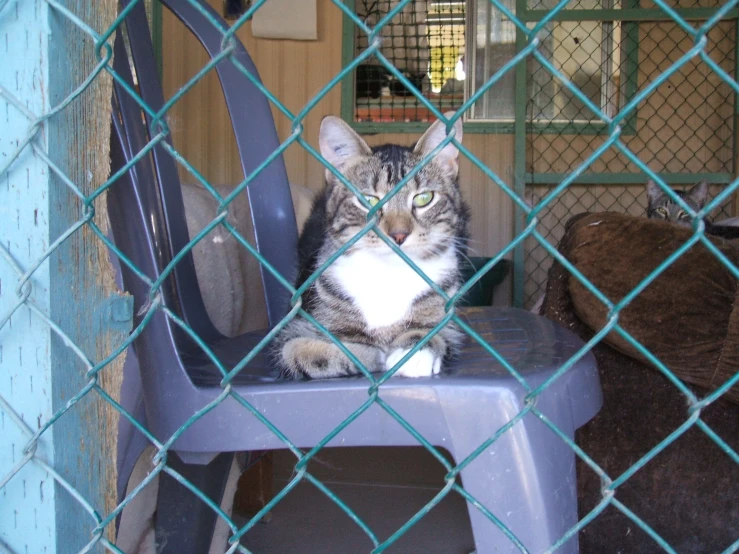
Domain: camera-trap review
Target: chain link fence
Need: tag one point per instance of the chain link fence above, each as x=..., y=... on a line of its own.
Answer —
x=684, y=130
x=618, y=148
x=426, y=41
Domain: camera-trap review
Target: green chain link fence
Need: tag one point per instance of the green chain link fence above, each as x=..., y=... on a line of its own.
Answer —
x=616, y=138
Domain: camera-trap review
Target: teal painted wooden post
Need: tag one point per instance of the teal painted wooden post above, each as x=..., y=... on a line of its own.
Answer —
x=44, y=58
x=27, y=502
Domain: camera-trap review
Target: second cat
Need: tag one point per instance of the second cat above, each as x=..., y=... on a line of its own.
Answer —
x=661, y=206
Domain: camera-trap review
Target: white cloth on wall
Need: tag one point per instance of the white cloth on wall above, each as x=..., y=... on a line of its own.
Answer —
x=286, y=19
x=228, y=276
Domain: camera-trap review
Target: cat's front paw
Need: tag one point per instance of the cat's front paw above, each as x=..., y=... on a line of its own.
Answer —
x=422, y=364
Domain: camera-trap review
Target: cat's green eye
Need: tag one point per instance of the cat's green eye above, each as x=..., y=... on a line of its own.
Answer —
x=373, y=200
x=682, y=214
x=423, y=199
x=662, y=213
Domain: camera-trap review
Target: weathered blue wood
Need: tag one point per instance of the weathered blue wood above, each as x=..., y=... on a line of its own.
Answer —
x=82, y=285
x=27, y=502
x=45, y=57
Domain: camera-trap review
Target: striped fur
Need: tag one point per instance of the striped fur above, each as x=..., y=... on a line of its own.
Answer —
x=369, y=297
x=661, y=206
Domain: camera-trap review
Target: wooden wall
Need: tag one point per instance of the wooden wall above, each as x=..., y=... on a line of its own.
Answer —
x=294, y=72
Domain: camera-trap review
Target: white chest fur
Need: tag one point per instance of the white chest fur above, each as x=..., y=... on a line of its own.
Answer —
x=383, y=286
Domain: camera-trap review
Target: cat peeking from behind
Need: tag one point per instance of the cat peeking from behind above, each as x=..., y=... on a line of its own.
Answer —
x=661, y=206
x=369, y=297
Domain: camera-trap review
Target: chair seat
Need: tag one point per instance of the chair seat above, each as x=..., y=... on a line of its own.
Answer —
x=532, y=345
x=526, y=475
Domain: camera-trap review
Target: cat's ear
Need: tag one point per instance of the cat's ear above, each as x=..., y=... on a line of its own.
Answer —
x=699, y=193
x=654, y=192
x=434, y=135
x=339, y=143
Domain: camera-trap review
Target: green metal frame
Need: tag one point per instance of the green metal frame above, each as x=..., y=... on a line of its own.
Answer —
x=627, y=14
x=628, y=178
x=519, y=163
x=348, y=42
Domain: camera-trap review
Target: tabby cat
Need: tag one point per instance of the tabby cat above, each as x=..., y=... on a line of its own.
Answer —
x=661, y=206
x=369, y=297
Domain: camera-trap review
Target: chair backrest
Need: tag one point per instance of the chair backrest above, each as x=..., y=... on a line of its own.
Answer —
x=153, y=187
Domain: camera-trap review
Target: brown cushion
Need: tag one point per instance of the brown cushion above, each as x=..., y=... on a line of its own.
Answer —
x=688, y=492
x=688, y=317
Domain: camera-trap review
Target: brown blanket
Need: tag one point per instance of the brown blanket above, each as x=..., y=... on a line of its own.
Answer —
x=688, y=317
x=688, y=492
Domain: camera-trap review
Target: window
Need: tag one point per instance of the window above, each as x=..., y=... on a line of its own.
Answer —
x=449, y=49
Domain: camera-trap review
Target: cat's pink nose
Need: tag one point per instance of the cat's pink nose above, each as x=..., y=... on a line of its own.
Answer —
x=399, y=237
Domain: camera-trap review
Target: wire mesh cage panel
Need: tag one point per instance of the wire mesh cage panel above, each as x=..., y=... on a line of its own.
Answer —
x=426, y=42
x=683, y=131
x=685, y=126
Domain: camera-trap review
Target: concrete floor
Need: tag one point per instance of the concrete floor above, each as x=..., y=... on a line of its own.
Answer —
x=384, y=486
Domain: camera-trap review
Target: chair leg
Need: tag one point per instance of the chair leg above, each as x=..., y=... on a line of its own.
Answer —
x=531, y=490
x=526, y=478
x=184, y=523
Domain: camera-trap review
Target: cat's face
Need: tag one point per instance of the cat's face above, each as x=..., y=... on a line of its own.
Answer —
x=424, y=218
x=661, y=206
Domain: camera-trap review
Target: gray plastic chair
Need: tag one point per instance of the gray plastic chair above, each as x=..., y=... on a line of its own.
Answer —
x=526, y=478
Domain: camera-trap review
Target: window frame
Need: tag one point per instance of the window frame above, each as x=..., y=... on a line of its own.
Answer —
x=630, y=36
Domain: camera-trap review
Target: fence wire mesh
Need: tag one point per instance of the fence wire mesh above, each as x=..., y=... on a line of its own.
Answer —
x=692, y=41
x=426, y=42
x=685, y=127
